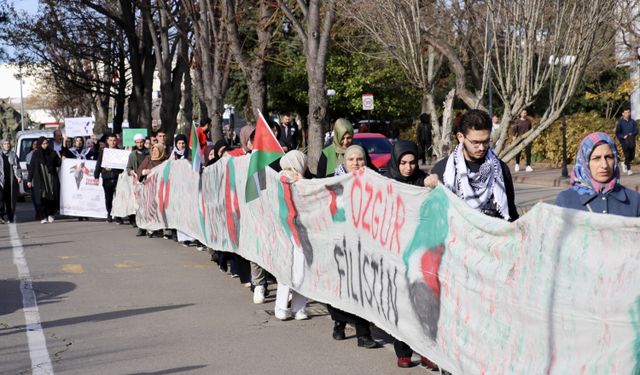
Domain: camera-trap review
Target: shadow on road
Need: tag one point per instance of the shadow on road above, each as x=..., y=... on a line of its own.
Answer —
x=35, y=244
x=96, y=317
x=46, y=292
x=176, y=370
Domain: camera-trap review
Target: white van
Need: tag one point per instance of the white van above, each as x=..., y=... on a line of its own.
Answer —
x=23, y=147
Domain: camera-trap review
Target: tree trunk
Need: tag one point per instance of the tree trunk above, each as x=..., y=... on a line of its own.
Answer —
x=187, y=102
x=447, y=117
x=257, y=86
x=101, y=113
x=317, y=119
x=315, y=39
x=120, y=97
x=251, y=65
x=212, y=60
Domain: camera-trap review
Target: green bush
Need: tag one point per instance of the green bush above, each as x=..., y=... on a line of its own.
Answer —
x=548, y=147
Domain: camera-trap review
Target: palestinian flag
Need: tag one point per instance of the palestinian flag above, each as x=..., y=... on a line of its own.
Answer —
x=266, y=150
x=196, y=152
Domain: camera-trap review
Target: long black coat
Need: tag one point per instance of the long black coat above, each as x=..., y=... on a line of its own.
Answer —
x=44, y=161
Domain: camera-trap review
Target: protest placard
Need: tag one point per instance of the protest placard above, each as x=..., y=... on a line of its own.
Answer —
x=80, y=193
x=78, y=126
x=115, y=158
x=129, y=133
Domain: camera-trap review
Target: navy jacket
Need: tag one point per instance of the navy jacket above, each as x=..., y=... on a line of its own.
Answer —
x=620, y=201
x=624, y=127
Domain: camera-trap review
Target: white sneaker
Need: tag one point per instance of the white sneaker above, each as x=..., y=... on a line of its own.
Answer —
x=302, y=315
x=282, y=314
x=624, y=168
x=517, y=168
x=629, y=173
x=529, y=169
x=43, y=221
x=50, y=219
x=247, y=285
x=258, y=294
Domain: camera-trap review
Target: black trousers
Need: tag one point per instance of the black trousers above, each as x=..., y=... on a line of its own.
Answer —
x=426, y=151
x=629, y=152
x=109, y=187
x=527, y=154
x=243, y=268
x=6, y=202
x=343, y=317
x=45, y=208
x=402, y=349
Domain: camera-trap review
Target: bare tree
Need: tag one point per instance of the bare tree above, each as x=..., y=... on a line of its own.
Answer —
x=454, y=29
x=313, y=20
x=167, y=29
x=140, y=58
x=626, y=21
x=78, y=48
x=251, y=55
x=542, y=45
x=211, y=59
x=402, y=37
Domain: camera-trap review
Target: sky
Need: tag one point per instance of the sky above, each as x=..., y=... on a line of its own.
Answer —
x=30, y=6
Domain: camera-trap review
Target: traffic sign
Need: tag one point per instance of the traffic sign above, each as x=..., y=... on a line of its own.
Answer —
x=367, y=102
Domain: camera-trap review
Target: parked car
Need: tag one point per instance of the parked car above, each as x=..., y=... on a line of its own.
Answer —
x=372, y=126
x=378, y=146
x=23, y=147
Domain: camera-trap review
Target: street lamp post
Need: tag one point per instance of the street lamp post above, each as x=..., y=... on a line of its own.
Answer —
x=564, y=62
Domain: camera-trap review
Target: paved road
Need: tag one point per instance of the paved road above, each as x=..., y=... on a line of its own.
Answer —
x=111, y=303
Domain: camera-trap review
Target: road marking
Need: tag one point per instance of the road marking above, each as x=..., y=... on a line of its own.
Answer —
x=40, y=360
x=128, y=264
x=72, y=268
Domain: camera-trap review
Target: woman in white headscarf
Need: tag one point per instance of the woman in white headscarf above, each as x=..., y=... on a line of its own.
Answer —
x=355, y=157
x=293, y=164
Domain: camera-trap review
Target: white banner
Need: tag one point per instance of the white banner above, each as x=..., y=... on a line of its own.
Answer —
x=78, y=126
x=124, y=201
x=556, y=292
x=80, y=193
x=115, y=158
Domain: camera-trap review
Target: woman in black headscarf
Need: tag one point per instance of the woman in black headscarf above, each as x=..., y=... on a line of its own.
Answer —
x=403, y=167
x=180, y=149
x=43, y=180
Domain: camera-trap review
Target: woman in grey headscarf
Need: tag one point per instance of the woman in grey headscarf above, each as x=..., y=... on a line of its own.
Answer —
x=354, y=157
x=10, y=177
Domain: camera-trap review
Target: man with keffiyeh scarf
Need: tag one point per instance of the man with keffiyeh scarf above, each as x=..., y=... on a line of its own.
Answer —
x=474, y=173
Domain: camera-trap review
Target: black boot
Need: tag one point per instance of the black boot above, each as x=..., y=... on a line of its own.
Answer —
x=338, y=330
x=141, y=232
x=367, y=342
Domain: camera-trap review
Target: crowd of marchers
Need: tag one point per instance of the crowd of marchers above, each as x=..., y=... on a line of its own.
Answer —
x=472, y=172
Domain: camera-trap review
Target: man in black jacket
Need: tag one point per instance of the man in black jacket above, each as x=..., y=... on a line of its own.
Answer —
x=289, y=133
x=474, y=173
x=109, y=178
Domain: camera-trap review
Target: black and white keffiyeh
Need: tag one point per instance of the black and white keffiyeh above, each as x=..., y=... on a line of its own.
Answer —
x=480, y=190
